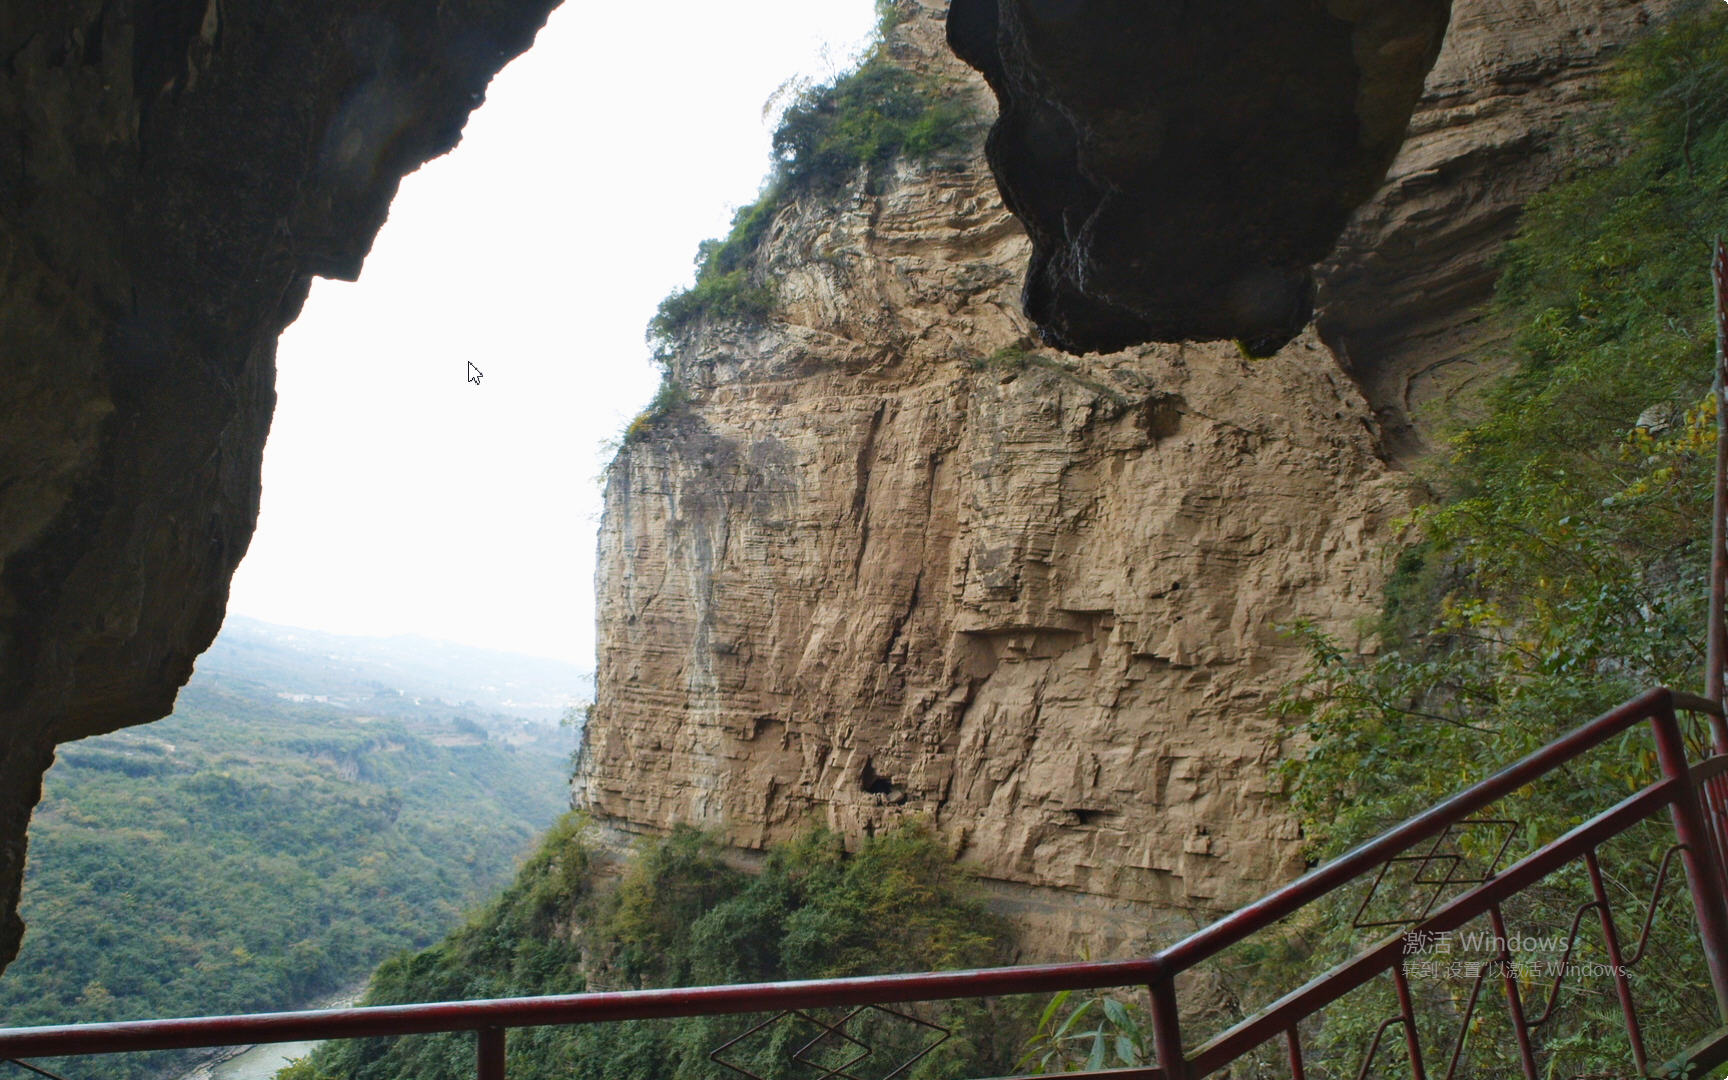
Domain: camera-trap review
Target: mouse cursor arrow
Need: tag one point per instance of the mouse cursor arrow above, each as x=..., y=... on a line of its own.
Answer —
x=473, y=373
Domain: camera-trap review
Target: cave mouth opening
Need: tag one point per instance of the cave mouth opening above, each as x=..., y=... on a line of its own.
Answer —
x=872, y=784
x=399, y=495
x=441, y=419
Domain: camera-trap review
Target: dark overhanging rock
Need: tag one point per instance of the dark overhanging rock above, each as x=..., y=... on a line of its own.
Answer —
x=172, y=173
x=1181, y=165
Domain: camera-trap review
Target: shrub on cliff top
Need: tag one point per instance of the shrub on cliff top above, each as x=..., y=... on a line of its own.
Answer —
x=668, y=399
x=865, y=117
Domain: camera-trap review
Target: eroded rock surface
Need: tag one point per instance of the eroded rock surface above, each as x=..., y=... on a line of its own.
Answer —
x=1181, y=166
x=881, y=567
x=1509, y=107
x=172, y=172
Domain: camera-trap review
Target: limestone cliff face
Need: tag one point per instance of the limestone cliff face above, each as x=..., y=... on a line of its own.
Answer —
x=878, y=568
x=870, y=572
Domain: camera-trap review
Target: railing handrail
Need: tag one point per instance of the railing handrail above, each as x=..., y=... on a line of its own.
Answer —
x=1348, y=974
x=490, y=1017
x=1242, y=923
x=420, y=1019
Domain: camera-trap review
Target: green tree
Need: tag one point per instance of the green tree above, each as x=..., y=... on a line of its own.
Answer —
x=1561, y=566
x=677, y=912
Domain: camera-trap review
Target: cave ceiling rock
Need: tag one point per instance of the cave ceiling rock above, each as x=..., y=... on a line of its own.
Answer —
x=172, y=174
x=1181, y=165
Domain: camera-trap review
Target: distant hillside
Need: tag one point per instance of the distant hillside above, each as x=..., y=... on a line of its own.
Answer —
x=359, y=671
x=258, y=849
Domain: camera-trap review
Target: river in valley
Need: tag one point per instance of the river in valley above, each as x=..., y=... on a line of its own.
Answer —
x=258, y=1063
x=262, y=1062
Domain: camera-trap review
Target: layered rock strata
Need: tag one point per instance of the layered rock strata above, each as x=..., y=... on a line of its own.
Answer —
x=889, y=562
x=1511, y=104
x=895, y=559
x=1181, y=168
x=172, y=172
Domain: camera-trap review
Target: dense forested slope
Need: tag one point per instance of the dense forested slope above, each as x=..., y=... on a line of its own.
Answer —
x=677, y=913
x=253, y=851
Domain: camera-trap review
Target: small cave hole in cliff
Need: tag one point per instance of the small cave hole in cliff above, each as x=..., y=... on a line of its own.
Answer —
x=873, y=784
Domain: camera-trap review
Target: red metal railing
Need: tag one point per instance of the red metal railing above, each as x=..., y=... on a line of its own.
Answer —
x=1688, y=792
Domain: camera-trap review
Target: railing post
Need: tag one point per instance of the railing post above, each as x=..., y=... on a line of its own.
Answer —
x=1293, y=1044
x=1697, y=853
x=1407, y=1010
x=1716, y=652
x=489, y=1051
x=1611, y=941
x=1167, y=1030
x=1514, y=1003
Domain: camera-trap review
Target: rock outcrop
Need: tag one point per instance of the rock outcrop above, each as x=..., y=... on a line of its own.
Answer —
x=1180, y=167
x=172, y=172
x=888, y=561
x=892, y=558
x=1509, y=108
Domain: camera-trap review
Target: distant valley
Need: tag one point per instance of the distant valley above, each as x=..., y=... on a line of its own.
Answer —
x=314, y=804
x=352, y=672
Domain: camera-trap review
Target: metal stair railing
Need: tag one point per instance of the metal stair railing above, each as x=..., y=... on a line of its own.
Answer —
x=1692, y=794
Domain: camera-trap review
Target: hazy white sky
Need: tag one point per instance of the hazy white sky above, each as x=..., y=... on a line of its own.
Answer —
x=399, y=497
